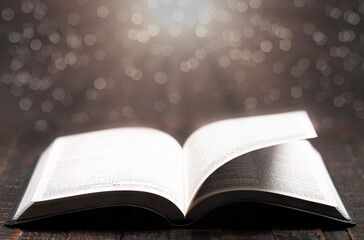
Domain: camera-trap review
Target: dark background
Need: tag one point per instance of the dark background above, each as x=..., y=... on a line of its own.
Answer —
x=76, y=66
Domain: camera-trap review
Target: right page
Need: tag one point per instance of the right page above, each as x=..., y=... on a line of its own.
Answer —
x=213, y=145
x=294, y=169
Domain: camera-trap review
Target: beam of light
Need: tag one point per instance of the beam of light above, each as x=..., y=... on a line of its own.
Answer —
x=177, y=14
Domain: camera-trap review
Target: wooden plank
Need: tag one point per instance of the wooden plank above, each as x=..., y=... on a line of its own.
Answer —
x=248, y=234
x=94, y=235
x=196, y=234
x=43, y=235
x=336, y=234
x=7, y=150
x=354, y=145
x=135, y=235
x=298, y=234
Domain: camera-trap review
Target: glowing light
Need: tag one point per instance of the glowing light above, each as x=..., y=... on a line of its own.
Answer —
x=182, y=13
x=201, y=31
x=153, y=30
x=175, y=30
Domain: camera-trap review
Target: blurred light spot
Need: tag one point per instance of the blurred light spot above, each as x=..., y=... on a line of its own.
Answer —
x=7, y=78
x=251, y=103
x=159, y=106
x=90, y=39
x=40, y=10
x=47, y=106
x=184, y=67
x=299, y=3
x=137, y=18
x=175, y=30
x=266, y=46
x=27, y=6
x=100, y=54
x=35, y=44
x=25, y=104
x=14, y=37
x=82, y=2
x=153, y=30
x=160, y=77
x=224, y=61
x=246, y=54
x=258, y=56
x=304, y=63
x=319, y=37
x=339, y=101
x=58, y=94
x=296, y=92
x=335, y=13
x=40, y=125
x=70, y=58
x=274, y=94
x=7, y=14
x=102, y=11
x=99, y=83
x=346, y=36
x=54, y=37
x=351, y=17
x=242, y=7
x=200, y=53
x=174, y=98
x=285, y=44
x=296, y=72
x=249, y=32
x=255, y=4
x=201, y=31
x=127, y=111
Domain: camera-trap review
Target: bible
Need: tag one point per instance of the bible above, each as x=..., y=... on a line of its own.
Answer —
x=265, y=159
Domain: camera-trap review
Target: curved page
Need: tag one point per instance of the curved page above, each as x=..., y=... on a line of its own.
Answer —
x=211, y=146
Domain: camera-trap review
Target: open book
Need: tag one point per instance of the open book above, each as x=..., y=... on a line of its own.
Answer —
x=256, y=159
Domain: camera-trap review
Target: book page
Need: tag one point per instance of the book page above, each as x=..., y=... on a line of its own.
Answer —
x=290, y=169
x=28, y=194
x=211, y=146
x=136, y=159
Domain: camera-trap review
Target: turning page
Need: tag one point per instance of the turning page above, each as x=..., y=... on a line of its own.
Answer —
x=293, y=169
x=213, y=145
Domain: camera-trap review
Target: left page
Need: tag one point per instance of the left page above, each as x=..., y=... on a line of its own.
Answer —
x=130, y=159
